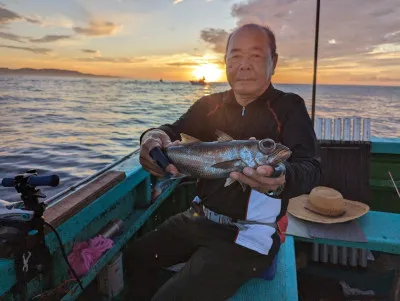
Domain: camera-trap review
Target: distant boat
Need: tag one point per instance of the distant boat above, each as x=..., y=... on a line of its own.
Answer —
x=161, y=80
x=200, y=82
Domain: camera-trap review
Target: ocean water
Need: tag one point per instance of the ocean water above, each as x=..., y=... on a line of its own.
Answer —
x=73, y=127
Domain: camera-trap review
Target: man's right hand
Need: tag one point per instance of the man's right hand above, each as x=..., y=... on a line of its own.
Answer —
x=150, y=140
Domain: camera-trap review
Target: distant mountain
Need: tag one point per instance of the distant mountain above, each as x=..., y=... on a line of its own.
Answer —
x=47, y=72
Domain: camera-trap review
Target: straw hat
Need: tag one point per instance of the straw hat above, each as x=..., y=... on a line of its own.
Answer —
x=327, y=206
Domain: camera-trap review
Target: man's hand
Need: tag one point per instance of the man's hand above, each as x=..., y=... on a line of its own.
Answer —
x=259, y=179
x=150, y=140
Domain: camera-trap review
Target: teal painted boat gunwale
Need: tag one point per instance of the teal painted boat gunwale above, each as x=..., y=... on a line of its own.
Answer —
x=73, y=226
x=385, y=145
x=380, y=229
x=385, y=158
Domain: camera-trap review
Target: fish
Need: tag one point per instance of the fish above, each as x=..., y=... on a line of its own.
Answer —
x=217, y=159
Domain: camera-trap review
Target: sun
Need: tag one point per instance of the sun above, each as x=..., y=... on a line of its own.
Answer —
x=211, y=72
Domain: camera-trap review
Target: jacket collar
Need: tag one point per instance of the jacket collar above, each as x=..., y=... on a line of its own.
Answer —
x=268, y=94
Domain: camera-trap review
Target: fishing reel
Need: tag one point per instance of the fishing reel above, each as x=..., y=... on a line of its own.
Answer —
x=22, y=226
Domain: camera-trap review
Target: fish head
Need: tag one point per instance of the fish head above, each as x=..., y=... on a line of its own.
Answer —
x=272, y=153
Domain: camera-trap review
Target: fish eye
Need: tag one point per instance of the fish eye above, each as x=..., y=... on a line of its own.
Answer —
x=267, y=145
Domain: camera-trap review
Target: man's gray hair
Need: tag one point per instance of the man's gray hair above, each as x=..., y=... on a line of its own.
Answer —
x=266, y=29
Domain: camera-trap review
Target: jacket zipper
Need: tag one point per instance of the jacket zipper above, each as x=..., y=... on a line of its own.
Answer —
x=243, y=109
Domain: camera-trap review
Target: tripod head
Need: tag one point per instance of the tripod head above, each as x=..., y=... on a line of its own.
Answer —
x=30, y=207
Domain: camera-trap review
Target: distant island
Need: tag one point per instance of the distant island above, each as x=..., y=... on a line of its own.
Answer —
x=49, y=72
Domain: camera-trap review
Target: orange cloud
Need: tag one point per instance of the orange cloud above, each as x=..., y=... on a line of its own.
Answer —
x=91, y=51
x=51, y=38
x=183, y=64
x=101, y=59
x=97, y=28
x=45, y=39
x=196, y=61
x=43, y=51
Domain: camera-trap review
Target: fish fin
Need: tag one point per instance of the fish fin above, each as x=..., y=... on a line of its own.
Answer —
x=230, y=181
x=244, y=186
x=179, y=176
x=227, y=164
x=223, y=137
x=164, y=183
x=188, y=139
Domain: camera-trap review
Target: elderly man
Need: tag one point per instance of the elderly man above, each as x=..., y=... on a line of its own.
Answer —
x=221, y=257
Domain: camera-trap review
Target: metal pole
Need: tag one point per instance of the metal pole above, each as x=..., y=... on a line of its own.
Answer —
x=315, y=61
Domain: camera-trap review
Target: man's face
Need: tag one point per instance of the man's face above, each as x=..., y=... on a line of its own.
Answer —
x=249, y=65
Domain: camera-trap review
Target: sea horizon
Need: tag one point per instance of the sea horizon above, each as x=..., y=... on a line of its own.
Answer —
x=108, y=77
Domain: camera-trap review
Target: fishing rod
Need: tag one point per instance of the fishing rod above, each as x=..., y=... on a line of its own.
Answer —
x=314, y=88
x=394, y=184
x=88, y=179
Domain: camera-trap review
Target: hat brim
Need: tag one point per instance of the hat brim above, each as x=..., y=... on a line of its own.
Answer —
x=353, y=209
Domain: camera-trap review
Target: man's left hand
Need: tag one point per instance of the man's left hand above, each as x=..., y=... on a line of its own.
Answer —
x=259, y=179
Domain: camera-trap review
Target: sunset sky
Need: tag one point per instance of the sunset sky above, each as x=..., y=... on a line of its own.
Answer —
x=184, y=39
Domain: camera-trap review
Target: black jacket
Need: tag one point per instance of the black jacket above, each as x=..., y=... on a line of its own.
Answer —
x=275, y=114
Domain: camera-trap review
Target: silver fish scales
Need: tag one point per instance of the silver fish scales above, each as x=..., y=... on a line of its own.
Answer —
x=218, y=159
